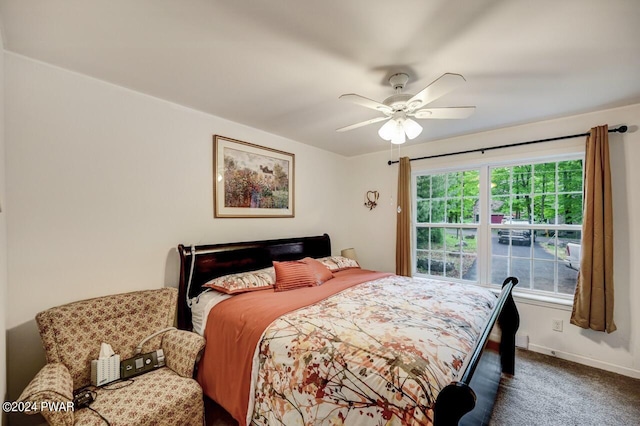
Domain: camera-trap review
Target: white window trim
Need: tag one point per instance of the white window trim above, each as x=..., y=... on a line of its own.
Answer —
x=484, y=227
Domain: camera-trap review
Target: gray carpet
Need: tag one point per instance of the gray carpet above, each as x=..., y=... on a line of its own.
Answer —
x=550, y=391
x=545, y=391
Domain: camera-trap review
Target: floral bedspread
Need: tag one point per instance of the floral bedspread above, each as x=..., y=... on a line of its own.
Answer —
x=377, y=353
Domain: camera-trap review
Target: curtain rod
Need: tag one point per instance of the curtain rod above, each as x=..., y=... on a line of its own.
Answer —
x=621, y=129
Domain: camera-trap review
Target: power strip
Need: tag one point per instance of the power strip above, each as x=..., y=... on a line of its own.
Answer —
x=140, y=364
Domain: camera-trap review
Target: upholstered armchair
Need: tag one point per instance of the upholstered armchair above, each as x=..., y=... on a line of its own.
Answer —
x=72, y=334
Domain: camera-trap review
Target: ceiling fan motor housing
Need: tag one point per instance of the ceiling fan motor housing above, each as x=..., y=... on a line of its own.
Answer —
x=398, y=81
x=397, y=102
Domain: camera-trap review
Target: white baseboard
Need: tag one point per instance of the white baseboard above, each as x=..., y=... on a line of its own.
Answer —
x=630, y=372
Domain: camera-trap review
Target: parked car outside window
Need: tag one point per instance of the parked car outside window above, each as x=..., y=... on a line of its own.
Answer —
x=574, y=252
x=516, y=236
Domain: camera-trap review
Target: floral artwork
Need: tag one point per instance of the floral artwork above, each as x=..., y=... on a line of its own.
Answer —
x=255, y=181
x=342, y=361
x=252, y=181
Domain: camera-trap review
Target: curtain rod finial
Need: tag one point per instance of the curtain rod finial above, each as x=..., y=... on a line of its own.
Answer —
x=622, y=129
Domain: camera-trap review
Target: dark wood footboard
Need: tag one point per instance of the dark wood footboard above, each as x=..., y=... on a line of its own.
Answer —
x=470, y=400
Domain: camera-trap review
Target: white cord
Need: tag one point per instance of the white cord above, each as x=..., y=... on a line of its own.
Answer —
x=198, y=296
x=164, y=330
x=193, y=263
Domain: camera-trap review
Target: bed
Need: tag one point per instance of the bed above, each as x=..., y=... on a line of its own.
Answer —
x=365, y=347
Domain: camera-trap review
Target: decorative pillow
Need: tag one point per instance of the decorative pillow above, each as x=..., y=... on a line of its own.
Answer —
x=293, y=274
x=338, y=263
x=261, y=279
x=321, y=273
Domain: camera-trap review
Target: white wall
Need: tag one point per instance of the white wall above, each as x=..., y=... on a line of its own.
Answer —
x=373, y=233
x=104, y=183
x=3, y=242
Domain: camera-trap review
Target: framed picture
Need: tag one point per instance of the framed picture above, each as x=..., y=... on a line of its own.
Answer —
x=251, y=180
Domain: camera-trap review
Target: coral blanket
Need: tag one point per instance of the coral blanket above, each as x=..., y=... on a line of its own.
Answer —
x=239, y=322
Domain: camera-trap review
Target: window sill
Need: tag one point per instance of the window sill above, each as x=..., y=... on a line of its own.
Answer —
x=524, y=297
x=540, y=300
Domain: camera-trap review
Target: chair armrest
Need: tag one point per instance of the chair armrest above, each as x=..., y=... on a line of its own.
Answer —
x=51, y=394
x=181, y=349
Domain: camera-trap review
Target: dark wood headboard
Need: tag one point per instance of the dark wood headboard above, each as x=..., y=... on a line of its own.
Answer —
x=215, y=260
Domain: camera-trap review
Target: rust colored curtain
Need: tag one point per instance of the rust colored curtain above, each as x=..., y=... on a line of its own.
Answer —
x=593, y=299
x=403, y=223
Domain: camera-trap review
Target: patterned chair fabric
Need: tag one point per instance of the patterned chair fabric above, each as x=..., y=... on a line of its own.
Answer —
x=71, y=336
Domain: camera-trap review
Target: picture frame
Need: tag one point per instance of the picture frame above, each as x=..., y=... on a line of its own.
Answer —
x=252, y=181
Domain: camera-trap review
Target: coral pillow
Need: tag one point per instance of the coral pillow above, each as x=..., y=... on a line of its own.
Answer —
x=293, y=274
x=320, y=271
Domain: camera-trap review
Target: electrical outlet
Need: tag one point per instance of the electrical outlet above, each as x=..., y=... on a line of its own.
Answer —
x=522, y=341
x=556, y=324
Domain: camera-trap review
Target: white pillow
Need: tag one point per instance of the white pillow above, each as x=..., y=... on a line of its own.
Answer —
x=202, y=305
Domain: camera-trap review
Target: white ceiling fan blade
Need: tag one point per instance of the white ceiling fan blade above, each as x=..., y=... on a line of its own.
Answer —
x=366, y=102
x=440, y=87
x=445, y=113
x=364, y=123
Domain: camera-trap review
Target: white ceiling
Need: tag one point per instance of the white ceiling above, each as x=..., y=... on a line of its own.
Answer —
x=280, y=65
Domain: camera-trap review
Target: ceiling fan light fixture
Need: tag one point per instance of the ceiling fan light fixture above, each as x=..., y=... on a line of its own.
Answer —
x=412, y=128
x=398, y=139
x=387, y=130
x=399, y=128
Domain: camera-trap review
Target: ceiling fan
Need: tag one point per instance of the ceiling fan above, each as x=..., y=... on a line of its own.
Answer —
x=400, y=108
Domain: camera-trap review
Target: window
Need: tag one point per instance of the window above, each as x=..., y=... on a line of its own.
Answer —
x=528, y=219
x=447, y=224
